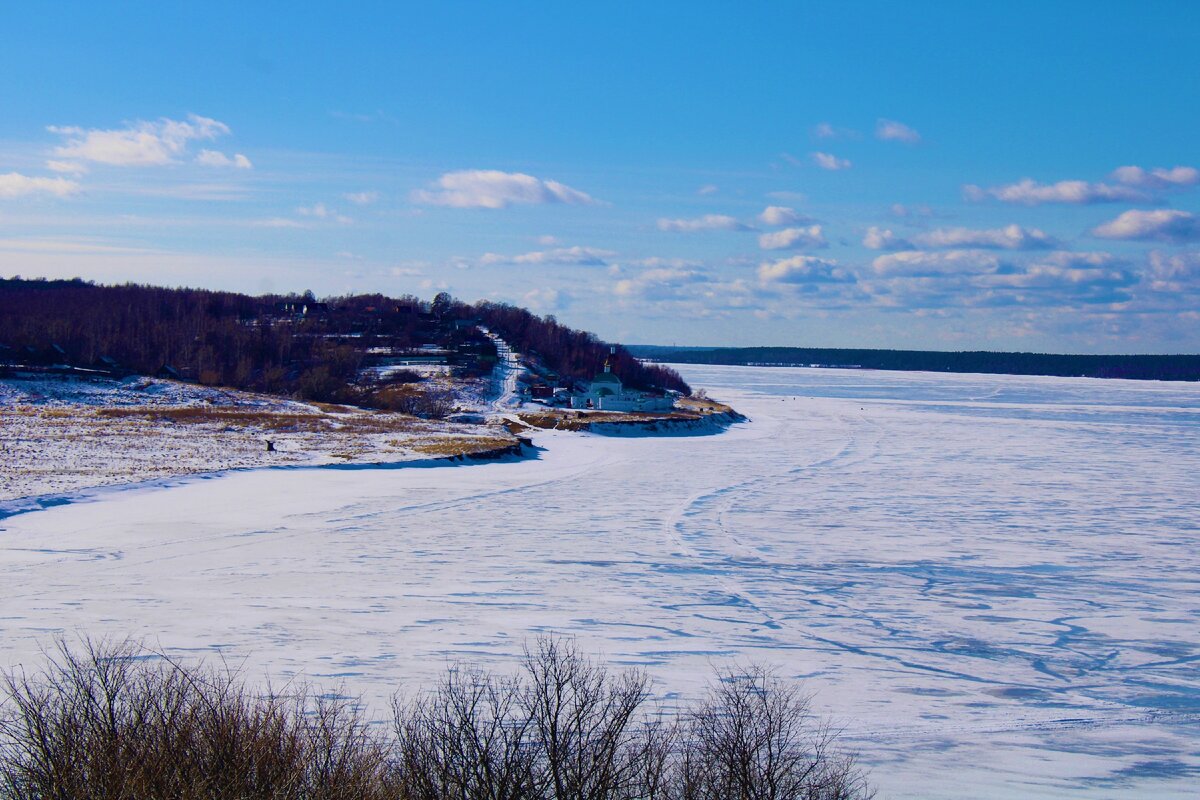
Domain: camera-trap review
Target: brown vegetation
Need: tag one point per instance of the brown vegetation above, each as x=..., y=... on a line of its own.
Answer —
x=111, y=723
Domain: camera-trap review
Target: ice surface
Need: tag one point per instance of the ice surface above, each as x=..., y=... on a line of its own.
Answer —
x=992, y=582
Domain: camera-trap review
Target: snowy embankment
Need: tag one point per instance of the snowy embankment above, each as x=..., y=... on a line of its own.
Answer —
x=63, y=435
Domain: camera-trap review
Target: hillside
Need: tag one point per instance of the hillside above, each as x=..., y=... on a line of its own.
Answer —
x=369, y=350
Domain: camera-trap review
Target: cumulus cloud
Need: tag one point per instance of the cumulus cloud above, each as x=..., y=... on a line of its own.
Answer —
x=825, y=130
x=562, y=256
x=707, y=189
x=66, y=167
x=215, y=158
x=1157, y=178
x=139, y=145
x=904, y=212
x=803, y=269
x=546, y=299
x=276, y=222
x=658, y=284
x=322, y=211
x=884, y=239
x=782, y=215
x=1031, y=193
x=1163, y=225
x=361, y=198
x=709, y=222
x=1174, y=272
x=1062, y=279
x=829, y=161
x=1012, y=237
x=15, y=184
x=792, y=238
x=889, y=130
x=924, y=263
x=489, y=188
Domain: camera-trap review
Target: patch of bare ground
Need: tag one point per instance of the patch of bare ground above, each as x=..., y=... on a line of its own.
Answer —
x=686, y=410
x=65, y=447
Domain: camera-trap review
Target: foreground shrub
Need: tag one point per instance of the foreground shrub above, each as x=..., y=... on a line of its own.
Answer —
x=108, y=722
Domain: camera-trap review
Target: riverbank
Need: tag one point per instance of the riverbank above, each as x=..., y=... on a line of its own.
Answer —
x=691, y=415
x=62, y=435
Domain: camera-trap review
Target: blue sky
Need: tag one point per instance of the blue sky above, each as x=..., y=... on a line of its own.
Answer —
x=931, y=175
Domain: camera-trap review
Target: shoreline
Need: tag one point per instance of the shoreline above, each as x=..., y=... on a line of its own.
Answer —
x=67, y=440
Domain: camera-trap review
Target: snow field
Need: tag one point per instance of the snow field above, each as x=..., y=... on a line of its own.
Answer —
x=992, y=582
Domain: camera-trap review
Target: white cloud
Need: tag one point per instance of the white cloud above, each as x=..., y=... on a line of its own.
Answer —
x=277, y=222
x=1029, y=192
x=829, y=161
x=80, y=246
x=67, y=167
x=707, y=189
x=215, y=158
x=1165, y=225
x=803, y=269
x=322, y=211
x=782, y=215
x=904, y=212
x=709, y=222
x=15, y=184
x=562, y=256
x=1174, y=272
x=920, y=262
x=482, y=188
x=889, y=130
x=318, y=210
x=545, y=299
x=547, y=240
x=141, y=144
x=790, y=238
x=361, y=198
x=824, y=130
x=884, y=239
x=1157, y=178
x=1011, y=237
x=658, y=284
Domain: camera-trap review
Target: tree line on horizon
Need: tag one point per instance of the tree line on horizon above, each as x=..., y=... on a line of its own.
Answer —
x=1133, y=367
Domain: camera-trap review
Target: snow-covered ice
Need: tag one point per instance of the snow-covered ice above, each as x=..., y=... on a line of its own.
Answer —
x=992, y=582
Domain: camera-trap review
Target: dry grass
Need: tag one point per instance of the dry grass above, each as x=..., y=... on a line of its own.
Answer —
x=579, y=421
x=462, y=445
x=344, y=420
x=702, y=405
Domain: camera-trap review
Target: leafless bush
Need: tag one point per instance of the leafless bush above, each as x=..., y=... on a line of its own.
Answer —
x=106, y=722
x=755, y=738
x=111, y=722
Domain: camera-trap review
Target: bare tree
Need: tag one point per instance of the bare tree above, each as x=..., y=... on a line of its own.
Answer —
x=585, y=722
x=469, y=739
x=755, y=738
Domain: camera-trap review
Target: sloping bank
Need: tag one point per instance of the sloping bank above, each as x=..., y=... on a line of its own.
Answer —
x=692, y=416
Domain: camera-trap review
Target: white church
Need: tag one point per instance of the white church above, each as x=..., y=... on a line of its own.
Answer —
x=607, y=393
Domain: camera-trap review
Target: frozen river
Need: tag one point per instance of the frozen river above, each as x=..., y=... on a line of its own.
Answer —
x=993, y=583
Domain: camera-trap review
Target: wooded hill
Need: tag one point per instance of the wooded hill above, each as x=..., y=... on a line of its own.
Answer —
x=281, y=344
x=1138, y=367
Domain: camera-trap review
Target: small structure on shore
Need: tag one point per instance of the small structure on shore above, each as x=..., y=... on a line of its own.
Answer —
x=607, y=393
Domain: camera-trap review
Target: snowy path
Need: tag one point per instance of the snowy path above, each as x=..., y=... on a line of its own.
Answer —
x=508, y=369
x=991, y=581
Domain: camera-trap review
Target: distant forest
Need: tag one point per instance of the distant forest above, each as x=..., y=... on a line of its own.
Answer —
x=282, y=344
x=1137, y=367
